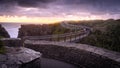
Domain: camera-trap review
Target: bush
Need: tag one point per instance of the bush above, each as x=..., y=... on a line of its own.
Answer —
x=2, y=48
x=58, y=29
x=114, y=36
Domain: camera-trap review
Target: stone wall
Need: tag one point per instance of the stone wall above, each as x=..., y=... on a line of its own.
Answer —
x=12, y=42
x=74, y=54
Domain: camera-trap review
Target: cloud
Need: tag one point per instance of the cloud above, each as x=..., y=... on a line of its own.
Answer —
x=94, y=6
x=33, y=3
x=59, y=7
x=26, y=3
x=11, y=7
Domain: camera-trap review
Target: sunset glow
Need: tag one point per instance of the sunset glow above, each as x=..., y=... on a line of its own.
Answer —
x=43, y=20
x=24, y=19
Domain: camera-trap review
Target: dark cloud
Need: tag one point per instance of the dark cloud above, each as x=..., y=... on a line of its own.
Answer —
x=93, y=2
x=102, y=6
x=26, y=3
x=33, y=3
x=9, y=7
x=7, y=1
x=59, y=7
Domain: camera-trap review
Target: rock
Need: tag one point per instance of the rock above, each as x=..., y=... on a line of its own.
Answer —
x=4, y=58
x=3, y=32
x=19, y=57
x=4, y=66
x=34, y=30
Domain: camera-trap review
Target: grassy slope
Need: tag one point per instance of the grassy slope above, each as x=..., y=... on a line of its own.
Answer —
x=105, y=34
x=58, y=29
x=2, y=49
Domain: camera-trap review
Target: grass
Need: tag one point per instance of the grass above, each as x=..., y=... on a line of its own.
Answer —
x=2, y=48
x=105, y=34
x=58, y=29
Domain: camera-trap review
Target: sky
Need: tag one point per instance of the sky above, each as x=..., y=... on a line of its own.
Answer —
x=49, y=11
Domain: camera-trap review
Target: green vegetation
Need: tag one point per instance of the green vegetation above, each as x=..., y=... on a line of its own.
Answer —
x=2, y=48
x=40, y=30
x=105, y=34
x=58, y=29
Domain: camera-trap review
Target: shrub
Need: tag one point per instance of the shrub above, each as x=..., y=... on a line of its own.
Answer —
x=108, y=37
x=2, y=48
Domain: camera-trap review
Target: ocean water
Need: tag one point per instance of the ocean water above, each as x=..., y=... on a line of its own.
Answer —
x=12, y=29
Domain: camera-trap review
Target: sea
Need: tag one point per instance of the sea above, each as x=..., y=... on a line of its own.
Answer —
x=13, y=28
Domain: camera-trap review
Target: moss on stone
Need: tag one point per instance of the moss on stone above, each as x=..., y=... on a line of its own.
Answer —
x=2, y=48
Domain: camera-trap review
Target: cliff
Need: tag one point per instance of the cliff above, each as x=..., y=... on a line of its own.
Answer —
x=39, y=30
x=34, y=30
x=3, y=32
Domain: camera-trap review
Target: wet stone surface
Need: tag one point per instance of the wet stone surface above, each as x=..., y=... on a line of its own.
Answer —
x=16, y=57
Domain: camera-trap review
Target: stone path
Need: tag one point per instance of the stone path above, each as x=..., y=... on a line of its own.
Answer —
x=50, y=63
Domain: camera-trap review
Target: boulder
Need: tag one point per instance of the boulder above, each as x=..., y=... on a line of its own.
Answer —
x=20, y=57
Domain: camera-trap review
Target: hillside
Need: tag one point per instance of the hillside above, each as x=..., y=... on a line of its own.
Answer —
x=39, y=30
x=105, y=34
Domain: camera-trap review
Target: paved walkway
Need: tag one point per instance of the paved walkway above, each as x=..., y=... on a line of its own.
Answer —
x=50, y=63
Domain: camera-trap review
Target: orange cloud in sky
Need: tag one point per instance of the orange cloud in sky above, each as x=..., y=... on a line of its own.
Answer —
x=24, y=19
x=43, y=20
